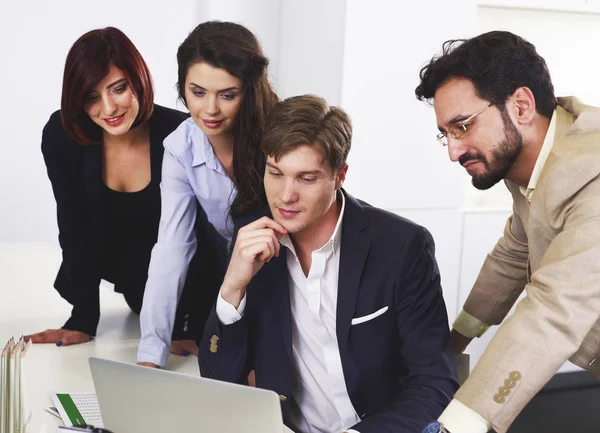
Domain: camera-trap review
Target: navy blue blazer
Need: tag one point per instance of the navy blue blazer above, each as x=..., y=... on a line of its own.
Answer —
x=399, y=369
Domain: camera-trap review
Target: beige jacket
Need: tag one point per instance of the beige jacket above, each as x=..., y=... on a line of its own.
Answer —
x=550, y=248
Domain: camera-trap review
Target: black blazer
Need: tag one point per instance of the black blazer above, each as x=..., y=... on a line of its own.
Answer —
x=75, y=172
x=398, y=367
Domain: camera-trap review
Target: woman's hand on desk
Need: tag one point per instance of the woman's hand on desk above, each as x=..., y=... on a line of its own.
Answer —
x=60, y=337
x=148, y=364
x=184, y=347
x=178, y=347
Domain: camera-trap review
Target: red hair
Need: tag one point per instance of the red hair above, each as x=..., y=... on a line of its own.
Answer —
x=88, y=62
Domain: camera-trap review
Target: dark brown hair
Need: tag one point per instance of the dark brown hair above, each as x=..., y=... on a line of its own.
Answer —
x=233, y=47
x=497, y=63
x=88, y=62
x=308, y=119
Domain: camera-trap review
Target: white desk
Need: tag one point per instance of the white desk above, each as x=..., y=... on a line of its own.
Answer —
x=29, y=303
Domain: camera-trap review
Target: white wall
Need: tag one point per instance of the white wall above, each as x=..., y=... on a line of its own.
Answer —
x=396, y=162
x=312, y=48
x=262, y=17
x=304, y=40
x=35, y=37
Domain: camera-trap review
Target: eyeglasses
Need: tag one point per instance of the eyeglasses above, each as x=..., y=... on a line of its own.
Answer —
x=459, y=129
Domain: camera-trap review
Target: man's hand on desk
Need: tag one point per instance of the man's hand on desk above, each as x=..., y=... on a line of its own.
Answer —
x=459, y=342
x=60, y=337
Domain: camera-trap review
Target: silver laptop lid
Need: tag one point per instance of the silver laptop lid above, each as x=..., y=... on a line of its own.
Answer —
x=136, y=399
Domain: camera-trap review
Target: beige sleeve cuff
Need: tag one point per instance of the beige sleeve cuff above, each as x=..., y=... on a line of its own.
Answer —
x=458, y=418
x=469, y=326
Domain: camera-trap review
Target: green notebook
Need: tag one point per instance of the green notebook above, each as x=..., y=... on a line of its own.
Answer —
x=78, y=408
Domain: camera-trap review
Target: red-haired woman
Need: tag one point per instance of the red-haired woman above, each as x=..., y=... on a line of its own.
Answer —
x=103, y=152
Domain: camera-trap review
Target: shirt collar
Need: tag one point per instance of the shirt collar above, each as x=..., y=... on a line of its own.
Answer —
x=335, y=241
x=541, y=160
x=203, y=152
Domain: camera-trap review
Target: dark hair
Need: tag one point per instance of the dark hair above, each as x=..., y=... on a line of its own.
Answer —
x=497, y=63
x=234, y=48
x=308, y=119
x=88, y=62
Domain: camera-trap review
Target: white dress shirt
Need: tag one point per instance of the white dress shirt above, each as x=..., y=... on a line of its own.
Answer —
x=191, y=174
x=320, y=402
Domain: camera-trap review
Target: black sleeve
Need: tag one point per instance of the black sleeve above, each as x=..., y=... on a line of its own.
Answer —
x=229, y=358
x=78, y=279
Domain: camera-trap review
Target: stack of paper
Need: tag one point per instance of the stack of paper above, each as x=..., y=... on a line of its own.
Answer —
x=14, y=418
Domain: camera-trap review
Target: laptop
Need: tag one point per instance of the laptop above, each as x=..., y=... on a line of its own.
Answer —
x=136, y=399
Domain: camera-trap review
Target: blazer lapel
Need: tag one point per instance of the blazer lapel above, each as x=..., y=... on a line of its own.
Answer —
x=354, y=251
x=156, y=147
x=92, y=162
x=279, y=284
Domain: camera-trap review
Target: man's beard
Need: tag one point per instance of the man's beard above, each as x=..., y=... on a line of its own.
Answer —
x=504, y=156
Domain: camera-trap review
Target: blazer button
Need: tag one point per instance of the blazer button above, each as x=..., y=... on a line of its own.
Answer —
x=499, y=398
x=503, y=391
x=510, y=383
x=515, y=375
x=282, y=398
x=214, y=344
